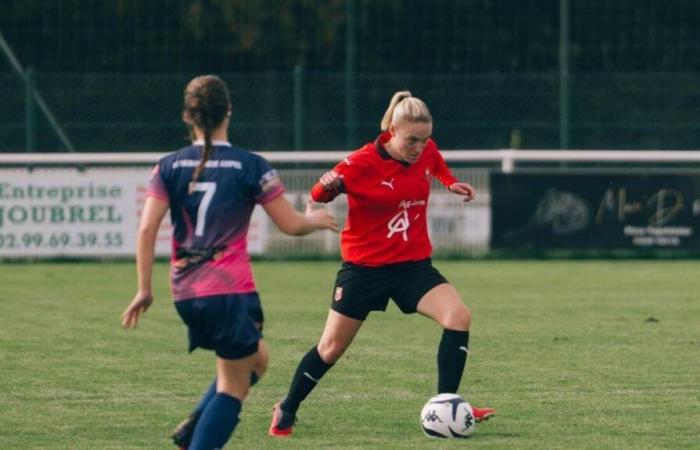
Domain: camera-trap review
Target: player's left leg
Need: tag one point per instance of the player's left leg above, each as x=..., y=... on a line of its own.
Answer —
x=444, y=305
x=182, y=434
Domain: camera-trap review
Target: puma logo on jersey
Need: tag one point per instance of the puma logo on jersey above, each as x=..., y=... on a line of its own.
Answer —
x=389, y=183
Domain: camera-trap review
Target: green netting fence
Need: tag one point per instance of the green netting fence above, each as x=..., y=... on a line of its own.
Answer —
x=308, y=75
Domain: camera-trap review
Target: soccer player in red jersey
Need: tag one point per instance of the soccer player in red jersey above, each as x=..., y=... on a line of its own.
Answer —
x=211, y=188
x=386, y=251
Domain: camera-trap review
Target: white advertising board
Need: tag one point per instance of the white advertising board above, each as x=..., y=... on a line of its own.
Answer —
x=95, y=212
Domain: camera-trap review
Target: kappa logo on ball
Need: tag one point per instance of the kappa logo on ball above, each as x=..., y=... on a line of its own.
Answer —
x=338, y=294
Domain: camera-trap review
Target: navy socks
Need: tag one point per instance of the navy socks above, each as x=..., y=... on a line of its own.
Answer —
x=206, y=398
x=217, y=422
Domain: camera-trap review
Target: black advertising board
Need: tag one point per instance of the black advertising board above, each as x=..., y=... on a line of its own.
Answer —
x=583, y=211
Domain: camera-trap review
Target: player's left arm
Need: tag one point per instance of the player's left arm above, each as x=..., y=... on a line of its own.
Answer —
x=443, y=173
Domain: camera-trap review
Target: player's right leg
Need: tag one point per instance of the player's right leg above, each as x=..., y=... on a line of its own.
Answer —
x=338, y=334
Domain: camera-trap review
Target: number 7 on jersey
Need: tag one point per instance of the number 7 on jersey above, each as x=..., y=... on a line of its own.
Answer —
x=209, y=188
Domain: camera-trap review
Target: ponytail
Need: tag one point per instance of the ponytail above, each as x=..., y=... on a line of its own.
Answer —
x=207, y=103
x=206, y=154
x=404, y=107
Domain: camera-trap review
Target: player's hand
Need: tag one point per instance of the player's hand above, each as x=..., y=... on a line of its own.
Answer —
x=464, y=189
x=139, y=304
x=320, y=217
x=331, y=181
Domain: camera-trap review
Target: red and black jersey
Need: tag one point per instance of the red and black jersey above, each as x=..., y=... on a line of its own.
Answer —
x=387, y=203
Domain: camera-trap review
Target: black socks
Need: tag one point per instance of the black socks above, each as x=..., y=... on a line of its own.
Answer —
x=451, y=359
x=310, y=370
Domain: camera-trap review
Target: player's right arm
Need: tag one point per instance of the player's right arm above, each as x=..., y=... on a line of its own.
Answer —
x=294, y=223
x=335, y=182
x=328, y=187
x=152, y=215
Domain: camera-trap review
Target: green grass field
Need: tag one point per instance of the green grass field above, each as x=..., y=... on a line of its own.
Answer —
x=572, y=354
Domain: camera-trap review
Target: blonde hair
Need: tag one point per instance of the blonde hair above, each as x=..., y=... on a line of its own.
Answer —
x=404, y=107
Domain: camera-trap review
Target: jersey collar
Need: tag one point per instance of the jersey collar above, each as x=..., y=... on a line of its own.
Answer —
x=379, y=145
x=215, y=143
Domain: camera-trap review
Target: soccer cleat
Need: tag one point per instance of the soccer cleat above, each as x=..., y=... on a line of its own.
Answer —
x=282, y=422
x=182, y=434
x=483, y=414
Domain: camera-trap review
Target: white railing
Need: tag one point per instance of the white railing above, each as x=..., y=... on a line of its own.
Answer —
x=507, y=158
x=87, y=204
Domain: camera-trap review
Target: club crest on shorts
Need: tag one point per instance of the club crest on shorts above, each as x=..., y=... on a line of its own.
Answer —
x=338, y=293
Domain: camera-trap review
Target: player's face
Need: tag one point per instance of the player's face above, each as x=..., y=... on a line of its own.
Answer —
x=408, y=139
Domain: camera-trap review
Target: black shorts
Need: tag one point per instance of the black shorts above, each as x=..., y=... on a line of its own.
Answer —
x=359, y=289
x=229, y=324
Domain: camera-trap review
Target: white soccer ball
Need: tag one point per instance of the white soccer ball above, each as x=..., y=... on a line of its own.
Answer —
x=447, y=416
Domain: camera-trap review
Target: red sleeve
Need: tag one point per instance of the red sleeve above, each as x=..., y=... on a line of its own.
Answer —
x=321, y=195
x=440, y=169
x=349, y=169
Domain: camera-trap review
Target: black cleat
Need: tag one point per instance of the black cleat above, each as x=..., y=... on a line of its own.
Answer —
x=182, y=434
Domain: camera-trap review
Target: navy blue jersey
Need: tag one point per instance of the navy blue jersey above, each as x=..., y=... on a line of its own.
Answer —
x=211, y=216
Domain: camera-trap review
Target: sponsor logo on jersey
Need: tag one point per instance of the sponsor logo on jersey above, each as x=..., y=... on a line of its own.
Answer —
x=399, y=224
x=405, y=204
x=216, y=163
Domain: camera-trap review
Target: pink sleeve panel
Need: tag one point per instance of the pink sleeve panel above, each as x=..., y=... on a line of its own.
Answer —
x=156, y=186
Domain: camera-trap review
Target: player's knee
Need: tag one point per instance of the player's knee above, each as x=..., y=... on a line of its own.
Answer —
x=260, y=366
x=331, y=351
x=233, y=388
x=457, y=319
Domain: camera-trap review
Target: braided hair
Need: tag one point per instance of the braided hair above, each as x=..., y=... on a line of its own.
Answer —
x=207, y=104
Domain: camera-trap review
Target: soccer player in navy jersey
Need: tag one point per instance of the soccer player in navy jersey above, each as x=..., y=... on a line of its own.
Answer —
x=386, y=251
x=211, y=188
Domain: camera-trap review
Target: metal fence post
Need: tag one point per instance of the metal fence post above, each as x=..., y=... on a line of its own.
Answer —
x=564, y=74
x=29, y=116
x=298, y=107
x=350, y=76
